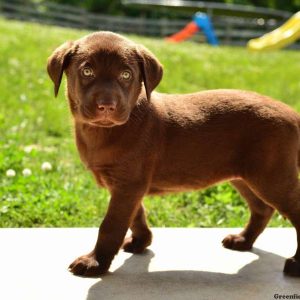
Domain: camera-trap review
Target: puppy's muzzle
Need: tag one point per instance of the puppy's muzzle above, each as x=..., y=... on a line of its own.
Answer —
x=107, y=114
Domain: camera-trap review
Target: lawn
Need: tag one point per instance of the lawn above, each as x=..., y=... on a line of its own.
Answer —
x=35, y=128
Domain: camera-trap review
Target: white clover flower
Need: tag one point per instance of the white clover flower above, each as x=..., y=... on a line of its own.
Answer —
x=23, y=97
x=46, y=166
x=28, y=149
x=26, y=172
x=10, y=173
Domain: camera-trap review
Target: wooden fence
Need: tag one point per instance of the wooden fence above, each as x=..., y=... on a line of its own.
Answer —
x=230, y=30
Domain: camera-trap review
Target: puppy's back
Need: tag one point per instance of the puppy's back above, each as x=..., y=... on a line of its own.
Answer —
x=190, y=110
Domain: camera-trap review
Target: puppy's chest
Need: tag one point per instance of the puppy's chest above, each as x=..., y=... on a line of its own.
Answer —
x=104, y=161
x=95, y=157
x=102, y=164
x=93, y=152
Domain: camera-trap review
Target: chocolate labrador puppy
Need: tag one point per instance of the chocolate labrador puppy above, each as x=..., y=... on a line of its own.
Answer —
x=137, y=142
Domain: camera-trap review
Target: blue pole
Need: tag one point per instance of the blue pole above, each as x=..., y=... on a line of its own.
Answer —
x=203, y=21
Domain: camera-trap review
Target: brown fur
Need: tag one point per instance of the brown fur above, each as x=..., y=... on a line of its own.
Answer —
x=136, y=142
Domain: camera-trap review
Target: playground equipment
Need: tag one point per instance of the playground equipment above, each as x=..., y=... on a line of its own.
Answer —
x=286, y=34
x=200, y=21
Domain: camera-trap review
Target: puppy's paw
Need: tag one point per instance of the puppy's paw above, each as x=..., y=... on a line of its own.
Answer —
x=136, y=245
x=292, y=267
x=88, y=266
x=236, y=242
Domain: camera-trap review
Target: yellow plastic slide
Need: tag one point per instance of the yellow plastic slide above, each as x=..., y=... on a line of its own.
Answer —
x=284, y=35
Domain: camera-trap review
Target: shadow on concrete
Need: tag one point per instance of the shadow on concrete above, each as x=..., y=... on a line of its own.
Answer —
x=260, y=279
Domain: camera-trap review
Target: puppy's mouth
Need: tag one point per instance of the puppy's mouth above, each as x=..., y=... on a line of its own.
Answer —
x=102, y=123
x=102, y=119
x=108, y=122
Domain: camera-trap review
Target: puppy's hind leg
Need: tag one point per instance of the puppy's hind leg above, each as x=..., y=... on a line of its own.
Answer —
x=287, y=202
x=280, y=188
x=141, y=235
x=260, y=216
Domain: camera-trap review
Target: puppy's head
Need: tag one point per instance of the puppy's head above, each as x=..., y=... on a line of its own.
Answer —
x=104, y=73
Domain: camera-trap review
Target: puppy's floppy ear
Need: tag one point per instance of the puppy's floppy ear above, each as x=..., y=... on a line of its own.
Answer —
x=151, y=69
x=58, y=61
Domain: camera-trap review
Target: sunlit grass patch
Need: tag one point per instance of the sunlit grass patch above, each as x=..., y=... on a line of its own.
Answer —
x=36, y=128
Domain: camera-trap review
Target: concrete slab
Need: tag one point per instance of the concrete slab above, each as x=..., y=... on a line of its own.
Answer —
x=181, y=264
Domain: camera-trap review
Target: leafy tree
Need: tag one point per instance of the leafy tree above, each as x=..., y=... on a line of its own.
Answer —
x=116, y=7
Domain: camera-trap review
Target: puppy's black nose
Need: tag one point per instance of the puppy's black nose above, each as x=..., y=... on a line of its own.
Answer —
x=106, y=106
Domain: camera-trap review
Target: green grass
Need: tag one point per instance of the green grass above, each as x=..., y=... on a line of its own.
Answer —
x=67, y=195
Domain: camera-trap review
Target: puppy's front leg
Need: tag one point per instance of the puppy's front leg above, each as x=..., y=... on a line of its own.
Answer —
x=122, y=208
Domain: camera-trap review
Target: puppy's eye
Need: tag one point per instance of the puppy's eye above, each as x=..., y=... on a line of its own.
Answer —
x=87, y=72
x=125, y=75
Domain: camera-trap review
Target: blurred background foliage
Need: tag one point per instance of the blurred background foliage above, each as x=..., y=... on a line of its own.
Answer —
x=115, y=7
